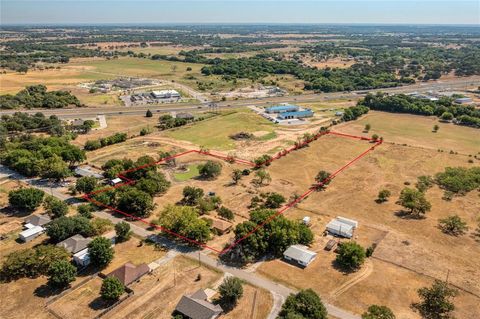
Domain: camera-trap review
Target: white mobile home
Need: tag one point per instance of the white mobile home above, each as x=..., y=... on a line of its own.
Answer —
x=31, y=233
x=342, y=226
x=299, y=254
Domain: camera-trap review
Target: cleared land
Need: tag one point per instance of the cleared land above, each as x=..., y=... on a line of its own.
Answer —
x=416, y=130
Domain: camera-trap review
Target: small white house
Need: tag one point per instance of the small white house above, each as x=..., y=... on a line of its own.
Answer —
x=342, y=226
x=82, y=258
x=299, y=254
x=31, y=233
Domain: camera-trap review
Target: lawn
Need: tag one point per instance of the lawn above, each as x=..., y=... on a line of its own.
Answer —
x=417, y=130
x=190, y=173
x=214, y=133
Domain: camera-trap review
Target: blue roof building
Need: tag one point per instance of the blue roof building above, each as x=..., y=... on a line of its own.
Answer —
x=295, y=115
x=282, y=108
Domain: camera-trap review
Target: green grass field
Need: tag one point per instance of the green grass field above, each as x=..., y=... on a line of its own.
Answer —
x=214, y=133
x=417, y=130
x=191, y=173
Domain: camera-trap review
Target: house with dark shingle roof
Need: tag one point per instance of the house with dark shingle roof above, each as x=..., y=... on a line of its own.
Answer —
x=129, y=273
x=197, y=306
x=75, y=243
x=36, y=220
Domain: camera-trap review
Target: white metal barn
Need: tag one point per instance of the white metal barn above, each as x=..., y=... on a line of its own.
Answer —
x=30, y=233
x=342, y=226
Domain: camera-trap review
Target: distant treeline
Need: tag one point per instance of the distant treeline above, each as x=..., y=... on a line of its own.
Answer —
x=444, y=108
x=36, y=96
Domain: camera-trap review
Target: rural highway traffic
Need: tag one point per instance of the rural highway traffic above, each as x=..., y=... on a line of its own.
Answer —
x=451, y=84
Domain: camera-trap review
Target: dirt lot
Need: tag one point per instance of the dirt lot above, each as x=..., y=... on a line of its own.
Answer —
x=157, y=294
x=254, y=304
x=20, y=301
x=82, y=302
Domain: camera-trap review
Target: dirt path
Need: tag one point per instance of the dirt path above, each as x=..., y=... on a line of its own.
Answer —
x=363, y=274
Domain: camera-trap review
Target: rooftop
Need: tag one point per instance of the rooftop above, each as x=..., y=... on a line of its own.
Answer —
x=128, y=273
x=196, y=306
x=75, y=243
x=38, y=220
x=300, y=253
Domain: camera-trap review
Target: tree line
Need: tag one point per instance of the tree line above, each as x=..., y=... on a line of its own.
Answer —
x=36, y=96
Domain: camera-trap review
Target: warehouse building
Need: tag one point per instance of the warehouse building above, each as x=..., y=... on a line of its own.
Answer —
x=165, y=94
x=282, y=108
x=295, y=115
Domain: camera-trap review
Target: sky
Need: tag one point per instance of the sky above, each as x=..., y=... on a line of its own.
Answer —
x=239, y=11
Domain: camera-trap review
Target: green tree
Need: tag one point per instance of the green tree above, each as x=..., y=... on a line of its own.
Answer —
x=274, y=200
x=210, y=170
x=262, y=177
x=111, y=289
x=453, y=225
x=123, y=231
x=375, y=137
x=446, y=116
x=61, y=273
x=153, y=183
x=149, y=114
x=305, y=304
x=323, y=179
x=415, y=201
x=236, y=175
x=424, y=183
x=230, y=291
x=86, y=184
x=192, y=195
x=64, y=227
x=101, y=226
x=436, y=128
x=378, y=312
x=54, y=168
x=100, y=251
x=136, y=202
x=350, y=255
x=26, y=198
x=436, y=301
x=184, y=221
x=85, y=210
x=383, y=195
x=367, y=127
x=55, y=207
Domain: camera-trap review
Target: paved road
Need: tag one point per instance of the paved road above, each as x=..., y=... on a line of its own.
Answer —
x=452, y=84
x=279, y=291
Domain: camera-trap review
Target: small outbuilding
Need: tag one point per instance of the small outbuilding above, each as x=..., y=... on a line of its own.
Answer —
x=220, y=226
x=300, y=255
x=115, y=181
x=31, y=233
x=82, y=258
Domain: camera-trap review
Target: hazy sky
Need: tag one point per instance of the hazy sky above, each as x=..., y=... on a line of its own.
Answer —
x=238, y=11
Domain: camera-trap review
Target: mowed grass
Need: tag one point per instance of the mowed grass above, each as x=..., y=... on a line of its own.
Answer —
x=214, y=133
x=191, y=173
x=416, y=130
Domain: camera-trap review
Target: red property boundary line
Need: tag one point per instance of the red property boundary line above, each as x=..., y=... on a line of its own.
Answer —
x=239, y=161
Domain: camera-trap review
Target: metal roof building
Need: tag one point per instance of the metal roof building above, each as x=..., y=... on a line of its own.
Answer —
x=281, y=108
x=86, y=171
x=295, y=115
x=342, y=226
x=299, y=254
x=30, y=233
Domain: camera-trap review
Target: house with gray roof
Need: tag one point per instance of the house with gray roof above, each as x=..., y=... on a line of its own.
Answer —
x=197, y=306
x=75, y=243
x=36, y=220
x=299, y=255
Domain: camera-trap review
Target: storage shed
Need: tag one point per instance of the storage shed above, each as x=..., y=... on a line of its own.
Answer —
x=342, y=226
x=31, y=233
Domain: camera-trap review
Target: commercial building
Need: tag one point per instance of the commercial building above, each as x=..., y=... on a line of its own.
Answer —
x=295, y=115
x=282, y=108
x=165, y=94
x=300, y=255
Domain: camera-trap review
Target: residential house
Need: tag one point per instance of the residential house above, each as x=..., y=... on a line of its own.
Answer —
x=197, y=306
x=129, y=273
x=300, y=255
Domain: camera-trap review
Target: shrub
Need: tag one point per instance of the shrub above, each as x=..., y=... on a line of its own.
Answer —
x=305, y=304
x=383, y=195
x=226, y=213
x=453, y=225
x=55, y=207
x=85, y=210
x=230, y=291
x=210, y=170
x=123, y=231
x=378, y=312
x=86, y=184
x=101, y=226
